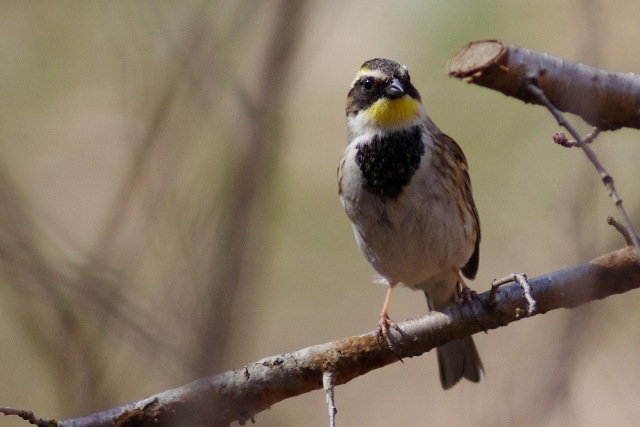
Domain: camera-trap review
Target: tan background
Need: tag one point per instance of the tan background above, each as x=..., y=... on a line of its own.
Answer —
x=120, y=130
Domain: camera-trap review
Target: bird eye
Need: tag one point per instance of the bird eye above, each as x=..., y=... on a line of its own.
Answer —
x=367, y=84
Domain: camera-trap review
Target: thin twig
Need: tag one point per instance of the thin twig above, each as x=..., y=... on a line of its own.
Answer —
x=621, y=229
x=329, y=383
x=28, y=416
x=561, y=139
x=607, y=180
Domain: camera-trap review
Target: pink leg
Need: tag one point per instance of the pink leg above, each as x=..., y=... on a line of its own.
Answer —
x=385, y=324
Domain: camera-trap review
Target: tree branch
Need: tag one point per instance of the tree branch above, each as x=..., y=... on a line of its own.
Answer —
x=605, y=99
x=242, y=393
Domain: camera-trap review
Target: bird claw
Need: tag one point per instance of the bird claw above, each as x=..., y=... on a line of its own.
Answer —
x=384, y=333
x=522, y=280
x=468, y=295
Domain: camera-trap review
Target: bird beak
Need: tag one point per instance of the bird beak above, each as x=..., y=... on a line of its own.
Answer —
x=395, y=89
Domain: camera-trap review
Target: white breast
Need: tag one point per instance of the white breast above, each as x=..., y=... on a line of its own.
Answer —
x=415, y=237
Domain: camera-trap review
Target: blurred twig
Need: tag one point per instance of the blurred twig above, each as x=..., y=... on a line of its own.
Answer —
x=553, y=392
x=246, y=184
x=30, y=273
x=86, y=300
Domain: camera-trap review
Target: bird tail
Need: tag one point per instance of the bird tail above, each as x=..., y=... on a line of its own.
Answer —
x=457, y=359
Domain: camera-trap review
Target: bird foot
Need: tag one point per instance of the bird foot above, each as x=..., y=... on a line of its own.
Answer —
x=384, y=333
x=519, y=278
x=467, y=295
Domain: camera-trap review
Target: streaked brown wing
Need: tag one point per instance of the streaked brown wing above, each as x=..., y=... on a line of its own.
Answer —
x=470, y=269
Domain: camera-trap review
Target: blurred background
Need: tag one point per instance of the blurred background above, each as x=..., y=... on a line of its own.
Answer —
x=169, y=208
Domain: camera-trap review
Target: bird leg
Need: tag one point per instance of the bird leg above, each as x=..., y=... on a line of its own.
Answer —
x=385, y=324
x=468, y=295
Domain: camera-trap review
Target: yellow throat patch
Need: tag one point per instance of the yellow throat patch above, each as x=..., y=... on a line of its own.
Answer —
x=393, y=112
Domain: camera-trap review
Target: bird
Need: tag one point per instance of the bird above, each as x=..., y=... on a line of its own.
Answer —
x=406, y=188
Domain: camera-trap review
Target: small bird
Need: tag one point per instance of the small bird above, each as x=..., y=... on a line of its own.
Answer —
x=405, y=187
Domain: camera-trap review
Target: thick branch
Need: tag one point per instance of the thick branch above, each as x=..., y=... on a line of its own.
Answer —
x=607, y=100
x=242, y=393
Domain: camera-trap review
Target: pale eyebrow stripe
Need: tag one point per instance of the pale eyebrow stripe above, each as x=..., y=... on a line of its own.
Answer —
x=365, y=72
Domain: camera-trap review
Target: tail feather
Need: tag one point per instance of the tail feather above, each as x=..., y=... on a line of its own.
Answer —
x=457, y=359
